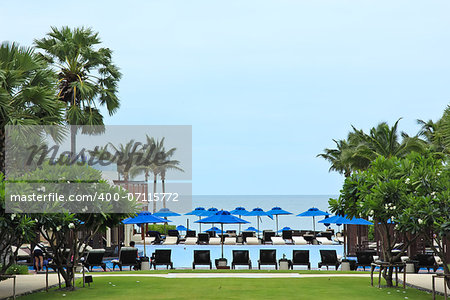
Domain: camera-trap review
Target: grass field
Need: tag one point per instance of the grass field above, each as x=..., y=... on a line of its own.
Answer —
x=135, y=288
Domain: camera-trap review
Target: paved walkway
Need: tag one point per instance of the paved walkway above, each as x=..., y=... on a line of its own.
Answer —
x=35, y=282
x=26, y=284
x=423, y=281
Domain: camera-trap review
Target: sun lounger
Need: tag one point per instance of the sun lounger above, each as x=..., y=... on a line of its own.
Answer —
x=214, y=241
x=94, y=258
x=287, y=236
x=241, y=258
x=299, y=240
x=230, y=241
x=202, y=257
x=247, y=234
x=162, y=257
x=127, y=257
x=252, y=241
x=191, y=241
x=300, y=258
x=329, y=258
x=190, y=233
x=267, y=257
x=324, y=241
x=278, y=240
x=365, y=258
x=339, y=239
x=426, y=261
x=203, y=238
x=170, y=240
x=267, y=235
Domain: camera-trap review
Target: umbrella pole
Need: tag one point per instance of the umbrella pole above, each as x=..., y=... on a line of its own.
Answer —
x=145, y=253
x=200, y=224
x=277, y=223
x=221, y=239
x=314, y=227
x=257, y=222
x=239, y=226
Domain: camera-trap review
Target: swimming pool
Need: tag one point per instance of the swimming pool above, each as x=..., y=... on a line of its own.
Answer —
x=183, y=255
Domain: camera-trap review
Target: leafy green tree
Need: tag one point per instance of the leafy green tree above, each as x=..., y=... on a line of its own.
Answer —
x=27, y=91
x=15, y=229
x=378, y=193
x=428, y=183
x=86, y=74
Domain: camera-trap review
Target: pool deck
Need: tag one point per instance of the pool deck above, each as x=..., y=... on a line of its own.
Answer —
x=34, y=282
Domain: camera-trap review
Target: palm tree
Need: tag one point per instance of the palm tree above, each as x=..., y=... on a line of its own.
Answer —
x=360, y=148
x=27, y=92
x=86, y=76
x=165, y=164
x=385, y=141
x=444, y=130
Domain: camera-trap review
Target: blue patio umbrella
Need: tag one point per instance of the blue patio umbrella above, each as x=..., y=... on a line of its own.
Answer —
x=313, y=212
x=215, y=229
x=239, y=211
x=144, y=217
x=258, y=212
x=210, y=212
x=165, y=212
x=251, y=228
x=197, y=212
x=346, y=221
x=222, y=217
x=285, y=229
x=181, y=228
x=276, y=211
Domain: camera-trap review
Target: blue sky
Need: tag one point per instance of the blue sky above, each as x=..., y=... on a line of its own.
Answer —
x=266, y=85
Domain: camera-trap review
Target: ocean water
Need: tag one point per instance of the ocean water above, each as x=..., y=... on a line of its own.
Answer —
x=293, y=203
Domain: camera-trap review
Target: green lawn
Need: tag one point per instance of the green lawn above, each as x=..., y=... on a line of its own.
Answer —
x=136, y=288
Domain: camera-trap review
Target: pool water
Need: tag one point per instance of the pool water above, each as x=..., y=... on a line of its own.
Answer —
x=183, y=255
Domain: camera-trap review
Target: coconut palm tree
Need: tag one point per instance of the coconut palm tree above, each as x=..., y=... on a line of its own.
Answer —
x=166, y=164
x=444, y=130
x=360, y=148
x=87, y=77
x=27, y=92
x=384, y=140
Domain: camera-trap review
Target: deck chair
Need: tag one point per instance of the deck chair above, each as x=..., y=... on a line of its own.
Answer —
x=247, y=234
x=127, y=257
x=162, y=257
x=277, y=240
x=267, y=235
x=329, y=258
x=170, y=240
x=426, y=261
x=190, y=233
x=299, y=240
x=267, y=257
x=173, y=232
x=230, y=241
x=252, y=241
x=155, y=235
x=364, y=258
x=324, y=241
x=214, y=241
x=94, y=258
x=300, y=258
x=203, y=238
x=191, y=241
x=202, y=257
x=241, y=258
x=287, y=236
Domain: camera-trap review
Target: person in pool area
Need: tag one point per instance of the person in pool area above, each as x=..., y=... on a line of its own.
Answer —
x=38, y=254
x=138, y=259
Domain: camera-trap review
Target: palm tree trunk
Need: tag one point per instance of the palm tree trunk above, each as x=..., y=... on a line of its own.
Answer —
x=2, y=150
x=146, y=192
x=73, y=140
x=154, y=192
x=163, y=185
